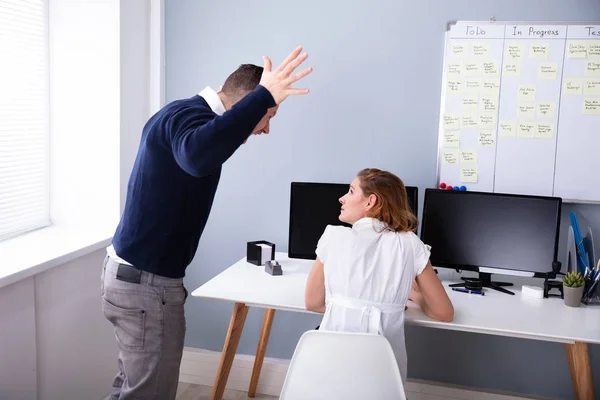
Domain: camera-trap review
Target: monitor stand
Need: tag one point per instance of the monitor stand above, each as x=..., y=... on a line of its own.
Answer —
x=486, y=280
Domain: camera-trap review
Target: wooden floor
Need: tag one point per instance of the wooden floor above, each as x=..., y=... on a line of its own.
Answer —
x=189, y=391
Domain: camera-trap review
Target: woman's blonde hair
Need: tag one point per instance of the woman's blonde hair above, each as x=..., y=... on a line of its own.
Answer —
x=392, y=205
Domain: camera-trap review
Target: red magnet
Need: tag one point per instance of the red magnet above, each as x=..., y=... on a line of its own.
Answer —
x=449, y=188
x=442, y=185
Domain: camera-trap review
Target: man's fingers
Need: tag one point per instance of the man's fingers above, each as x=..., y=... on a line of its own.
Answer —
x=267, y=63
x=293, y=65
x=292, y=92
x=289, y=59
x=296, y=77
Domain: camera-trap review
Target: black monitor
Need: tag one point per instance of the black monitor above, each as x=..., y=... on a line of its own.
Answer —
x=313, y=206
x=491, y=233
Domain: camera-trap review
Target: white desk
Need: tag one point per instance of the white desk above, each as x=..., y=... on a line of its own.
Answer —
x=495, y=313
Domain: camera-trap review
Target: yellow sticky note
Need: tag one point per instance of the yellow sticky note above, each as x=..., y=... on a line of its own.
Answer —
x=490, y=68
x=458, y=49
x=468, y=121
x=480, y=50
x=473, y=69
x=593, y=49
x=577, y=49
x=451, y=121
x=487, y=138
x=489, y=103
x=592, y=86
x=451, y=139
x=546, y=109
x=592, y=68
x=450, y=156
x=454, y=69
x=573, y=86
x=548, y=70
x=468, y=174
x=508, y=129
x=487, y=120
x=468, y=156
x=526, y=111
x=591, y=106
x=469, y=104
x=512, y=70
x=454, y=85
x=514, y=51
x=491, y=86
x=527, y=93
x=472, y=85
x=526, y=129
x=544, y=130
x=539, y=51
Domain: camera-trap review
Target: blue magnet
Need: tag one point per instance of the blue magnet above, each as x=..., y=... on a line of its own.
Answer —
x=456, y=188
x=463, y=188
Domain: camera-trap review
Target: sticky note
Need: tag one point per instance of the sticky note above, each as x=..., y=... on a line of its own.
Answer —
x=455, y=68
x=487, y=120
x=490, y=68
x=512, y=70
x=454, y=85
x=473, y=69
x=507, y=128
x=458, y=49
x=526, y=111
x=592, y=68
x=526, y=129
x=546, y=109
x=544, y=130
x=592, y=86
x=487, y=138
x=468, y=174
x=577, y=49
x=591, y=106
x=539, y=51
x=573, y=86
x=491, y=85
x=593, y=49
x=472, y=85
x=489, y=103
x=514, y=51
x=548, y=71
x=469, y=121
x=451, y=139
x=480, y=50
x=468, y=156
x=450, y=156
x=469, y=104
x=451, y=121
x=527, y=93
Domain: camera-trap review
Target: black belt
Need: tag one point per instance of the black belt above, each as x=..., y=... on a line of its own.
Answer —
x=129, y=274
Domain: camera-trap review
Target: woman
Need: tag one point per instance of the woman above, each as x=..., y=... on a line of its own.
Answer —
x=363, y=276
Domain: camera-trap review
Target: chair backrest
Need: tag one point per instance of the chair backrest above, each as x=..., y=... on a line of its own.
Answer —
x=343, y=365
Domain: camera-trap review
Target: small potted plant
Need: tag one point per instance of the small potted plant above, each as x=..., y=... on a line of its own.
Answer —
x=572, y=288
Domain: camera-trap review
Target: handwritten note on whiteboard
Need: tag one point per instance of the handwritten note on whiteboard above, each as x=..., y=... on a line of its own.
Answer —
x=593, y=49
x=487, y=120
x=544, y=130
x=508, y=129
x=548, y=71
x=468, y=174
x=526, y=93
x=515, y=51
x=468, y=157
x=450, y=156
x=451, y=121
x=526, y=111
x=452, y=139
x=577, y=49
x=539, y=51
x=526, y=129
x=454, y=85
x=469, y=104
x=472, y=85
x=573, y=86
x=591, y=106
x=458, y=49
x=512, y=70
x=592, y=68
x=591, y=87
x=455, y=69
x=546, y=109
x=480, y=50
x=487, y=138
x=469, y=121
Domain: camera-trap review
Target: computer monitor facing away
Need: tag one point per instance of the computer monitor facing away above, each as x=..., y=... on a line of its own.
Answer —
x=491, y=233
x=313, y=206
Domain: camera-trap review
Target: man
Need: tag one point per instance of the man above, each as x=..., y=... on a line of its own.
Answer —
x=169, y=198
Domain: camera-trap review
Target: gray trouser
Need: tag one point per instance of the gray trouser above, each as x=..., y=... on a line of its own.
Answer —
x=149, y=324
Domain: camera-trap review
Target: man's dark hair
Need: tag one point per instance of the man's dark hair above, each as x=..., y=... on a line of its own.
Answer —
x=244, y=79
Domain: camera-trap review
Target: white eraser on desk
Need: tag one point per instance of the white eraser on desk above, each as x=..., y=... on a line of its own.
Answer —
x=533, y=291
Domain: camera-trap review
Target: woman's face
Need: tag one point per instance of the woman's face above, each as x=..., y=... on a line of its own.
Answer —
x=354, y=204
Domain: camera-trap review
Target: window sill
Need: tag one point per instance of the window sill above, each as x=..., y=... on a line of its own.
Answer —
x=41, y=250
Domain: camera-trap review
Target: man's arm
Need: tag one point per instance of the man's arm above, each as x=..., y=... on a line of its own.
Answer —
x=200, y=148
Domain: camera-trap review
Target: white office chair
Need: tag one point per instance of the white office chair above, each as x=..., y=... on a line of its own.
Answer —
x=342, y=365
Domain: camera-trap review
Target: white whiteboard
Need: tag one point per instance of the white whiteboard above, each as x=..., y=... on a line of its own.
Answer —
x=512, y=114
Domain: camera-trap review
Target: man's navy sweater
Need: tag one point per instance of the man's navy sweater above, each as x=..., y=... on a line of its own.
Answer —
x=175, y=177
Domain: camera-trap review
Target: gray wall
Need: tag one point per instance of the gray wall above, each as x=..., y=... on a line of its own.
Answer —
x=374, y=102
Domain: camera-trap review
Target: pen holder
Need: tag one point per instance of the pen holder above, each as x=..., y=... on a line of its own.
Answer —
x=259, y=252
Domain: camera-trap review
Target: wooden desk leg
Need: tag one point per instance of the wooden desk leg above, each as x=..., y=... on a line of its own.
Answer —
x=236, y=325
x=581, y=370
x=260, y=351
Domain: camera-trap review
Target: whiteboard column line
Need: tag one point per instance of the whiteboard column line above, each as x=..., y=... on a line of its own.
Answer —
x=498, y=110
x=560, y=92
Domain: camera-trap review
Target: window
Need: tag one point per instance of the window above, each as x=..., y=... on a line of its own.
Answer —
x=24, y=121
